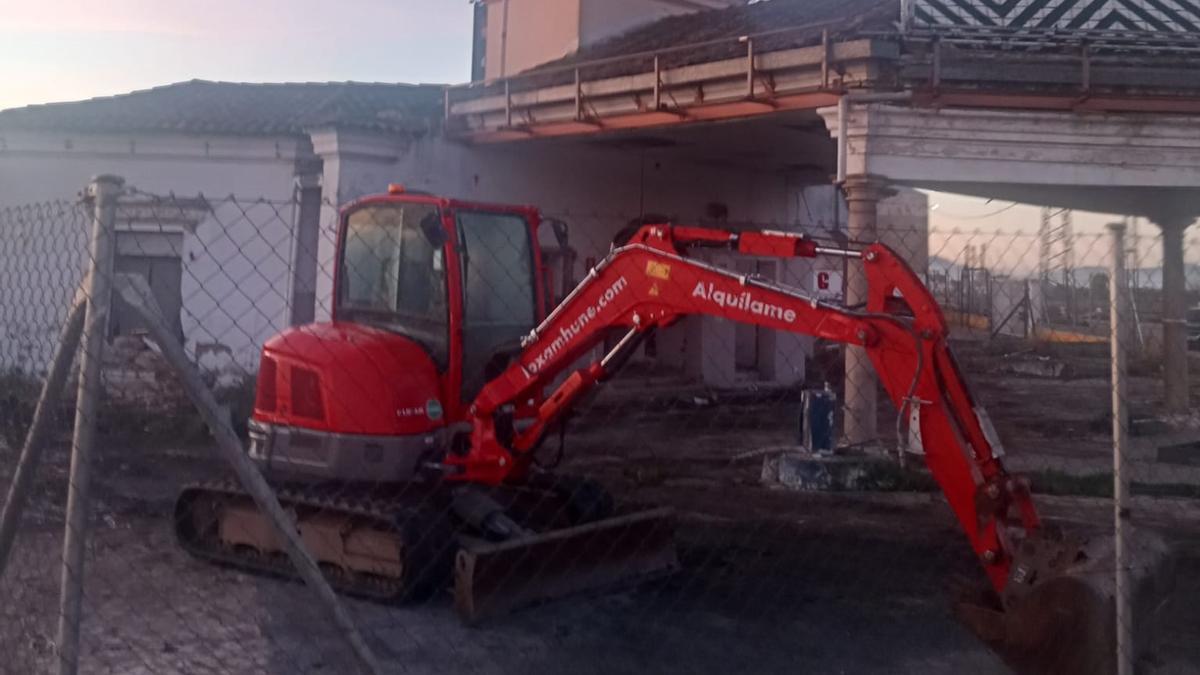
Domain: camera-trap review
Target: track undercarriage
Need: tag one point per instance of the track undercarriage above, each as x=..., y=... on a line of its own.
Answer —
x=504, y=547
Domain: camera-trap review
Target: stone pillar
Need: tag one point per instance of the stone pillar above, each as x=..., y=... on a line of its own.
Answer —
x=863, y=194
x=353, y=164
x=306, y=238
x=1175, y=358
x=710, y=355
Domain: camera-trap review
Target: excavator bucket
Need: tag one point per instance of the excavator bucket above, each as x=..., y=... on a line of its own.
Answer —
x=1066, y=623
x=1066, y=626
x=494, y=578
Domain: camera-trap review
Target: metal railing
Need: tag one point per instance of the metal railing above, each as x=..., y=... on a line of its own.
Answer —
x=647, y=62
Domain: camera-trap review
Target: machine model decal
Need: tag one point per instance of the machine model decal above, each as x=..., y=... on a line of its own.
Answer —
x=743, y=301
x=568, y=332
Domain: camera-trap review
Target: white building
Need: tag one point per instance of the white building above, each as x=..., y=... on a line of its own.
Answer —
x=241, y=278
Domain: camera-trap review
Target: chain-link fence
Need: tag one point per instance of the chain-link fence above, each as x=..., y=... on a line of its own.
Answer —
x=581, y=442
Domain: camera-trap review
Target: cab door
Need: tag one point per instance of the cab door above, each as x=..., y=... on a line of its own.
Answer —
x=498, y=276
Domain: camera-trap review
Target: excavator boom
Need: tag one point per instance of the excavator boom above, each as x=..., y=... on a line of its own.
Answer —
x=650, y=282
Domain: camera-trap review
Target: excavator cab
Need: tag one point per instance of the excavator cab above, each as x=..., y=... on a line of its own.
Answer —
x=358, y=421
x=430, y=298
x=460, y=279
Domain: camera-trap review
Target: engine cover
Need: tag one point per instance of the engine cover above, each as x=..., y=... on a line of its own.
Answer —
x=348, y=379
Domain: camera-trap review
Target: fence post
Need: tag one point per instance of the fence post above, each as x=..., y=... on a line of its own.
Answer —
x=102, y=193
x=35, y=437
x=1118, y=317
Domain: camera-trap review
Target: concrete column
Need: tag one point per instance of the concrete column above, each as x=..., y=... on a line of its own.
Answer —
x=863, y=194
x=352, y=164
x=1175, y=358
x=710, y=351
x=307, y=240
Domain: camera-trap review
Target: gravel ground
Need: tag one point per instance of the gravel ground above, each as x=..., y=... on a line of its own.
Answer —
x=772, y=581
x=756, y=595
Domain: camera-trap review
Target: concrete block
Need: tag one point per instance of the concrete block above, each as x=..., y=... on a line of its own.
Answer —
x=805, y=471
x=1036, y=366
x=1186, y=453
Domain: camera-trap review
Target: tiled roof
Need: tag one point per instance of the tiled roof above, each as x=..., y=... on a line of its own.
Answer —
x=845, y=19
x=199, y=106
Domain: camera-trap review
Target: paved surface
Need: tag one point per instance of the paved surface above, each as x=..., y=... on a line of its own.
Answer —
x=767, y=598
x=773, y=581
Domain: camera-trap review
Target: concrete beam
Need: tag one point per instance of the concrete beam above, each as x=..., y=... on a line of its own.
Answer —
x=1103, y=150
x=1148, y=202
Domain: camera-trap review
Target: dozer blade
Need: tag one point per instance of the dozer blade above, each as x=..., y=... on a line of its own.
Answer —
x=1065, y=624
x=493, y=578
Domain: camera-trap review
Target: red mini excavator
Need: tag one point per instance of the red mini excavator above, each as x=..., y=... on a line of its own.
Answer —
x=404, y=434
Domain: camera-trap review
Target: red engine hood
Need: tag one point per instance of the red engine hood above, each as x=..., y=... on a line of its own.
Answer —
x=371, y=381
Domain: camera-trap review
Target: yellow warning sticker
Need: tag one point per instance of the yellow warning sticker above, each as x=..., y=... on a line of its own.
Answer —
x=658, y=270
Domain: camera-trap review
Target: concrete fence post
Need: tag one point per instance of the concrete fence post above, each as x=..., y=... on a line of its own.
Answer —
x=102, y=194
x=1118, y=325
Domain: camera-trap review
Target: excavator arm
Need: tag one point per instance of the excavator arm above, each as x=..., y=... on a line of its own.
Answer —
x=650, y=282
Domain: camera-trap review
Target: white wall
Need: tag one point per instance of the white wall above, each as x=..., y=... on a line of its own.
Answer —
x=42, y=250
x=236, y=265
x=597, y=191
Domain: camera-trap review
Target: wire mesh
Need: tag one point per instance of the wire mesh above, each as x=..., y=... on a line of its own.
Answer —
x=785, y=559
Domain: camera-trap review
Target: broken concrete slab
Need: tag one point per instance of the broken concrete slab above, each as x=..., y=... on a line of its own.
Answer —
x=843, y=472
x=1035, y=366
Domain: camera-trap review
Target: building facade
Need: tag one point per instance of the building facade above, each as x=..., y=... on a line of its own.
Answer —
x=292, y=154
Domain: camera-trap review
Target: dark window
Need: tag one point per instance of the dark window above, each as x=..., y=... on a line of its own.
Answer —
x=498, y=297
x=393, y=276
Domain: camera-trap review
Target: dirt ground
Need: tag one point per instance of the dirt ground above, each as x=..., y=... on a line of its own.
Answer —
x=772, y=580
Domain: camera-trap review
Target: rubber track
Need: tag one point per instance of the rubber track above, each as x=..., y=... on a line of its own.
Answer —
x=390, y=514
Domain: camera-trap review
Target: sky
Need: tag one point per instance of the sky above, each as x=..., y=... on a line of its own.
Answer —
x=1008, y=234
x=63, y=50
